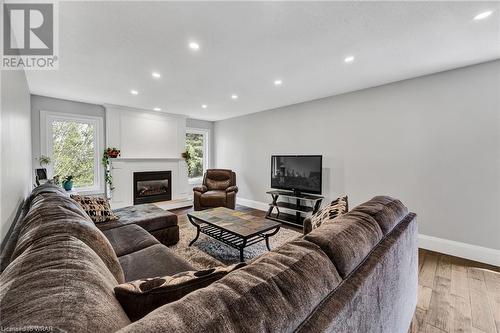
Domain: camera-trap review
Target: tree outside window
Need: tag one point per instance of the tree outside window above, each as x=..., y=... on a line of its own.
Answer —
x=195, y=146
x=73, y=151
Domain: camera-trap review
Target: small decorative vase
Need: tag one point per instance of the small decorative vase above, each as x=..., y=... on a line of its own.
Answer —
x=67, y=185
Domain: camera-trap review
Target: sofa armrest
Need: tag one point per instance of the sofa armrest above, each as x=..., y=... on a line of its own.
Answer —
x=201, y=189
x=232, y=189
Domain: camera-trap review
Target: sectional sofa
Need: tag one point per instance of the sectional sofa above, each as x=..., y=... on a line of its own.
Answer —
x=357, y=273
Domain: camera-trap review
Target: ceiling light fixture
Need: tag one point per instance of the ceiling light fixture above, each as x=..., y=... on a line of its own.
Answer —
x=204, y=106
x=134, y=92
x=157, y=109
x=234, y=96
x=156, y=75
x=349, y=59
x=194, y=46
x=482, y=15
x=278, y=82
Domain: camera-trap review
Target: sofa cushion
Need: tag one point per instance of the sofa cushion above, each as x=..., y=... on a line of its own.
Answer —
x=385, y=210
x=129, y=238
x=52, y=213
x=213, y=198
x=156, y=260
x=148, y=216
x=347, y=240
x=274, y=293
x=58, y=281
x=97, y=208
x=140, y=297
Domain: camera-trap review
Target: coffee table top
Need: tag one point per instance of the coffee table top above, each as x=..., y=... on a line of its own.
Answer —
x=236, y=222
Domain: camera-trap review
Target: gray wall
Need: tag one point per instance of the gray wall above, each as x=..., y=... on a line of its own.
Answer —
x=42, y=103
x=433, y=142
x=196, y=123
x=15, y=142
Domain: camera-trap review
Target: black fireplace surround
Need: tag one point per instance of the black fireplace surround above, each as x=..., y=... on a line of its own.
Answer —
x=152, y=186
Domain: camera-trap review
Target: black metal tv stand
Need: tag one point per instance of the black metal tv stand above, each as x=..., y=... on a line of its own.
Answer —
x=304, y=205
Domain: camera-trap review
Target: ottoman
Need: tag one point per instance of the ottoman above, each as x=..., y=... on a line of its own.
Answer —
x=158, y=222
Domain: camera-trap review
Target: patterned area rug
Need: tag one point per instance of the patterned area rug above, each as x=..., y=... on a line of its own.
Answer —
x=207, y=252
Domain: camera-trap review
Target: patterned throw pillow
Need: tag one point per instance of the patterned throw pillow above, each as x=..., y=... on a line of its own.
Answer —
x=140, y=297
x=97, y=208
x=336, y=208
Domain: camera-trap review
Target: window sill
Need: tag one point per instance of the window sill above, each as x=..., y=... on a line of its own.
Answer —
x=195, y=181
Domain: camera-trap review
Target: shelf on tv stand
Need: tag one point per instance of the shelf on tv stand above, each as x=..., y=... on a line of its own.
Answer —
x=305, y=205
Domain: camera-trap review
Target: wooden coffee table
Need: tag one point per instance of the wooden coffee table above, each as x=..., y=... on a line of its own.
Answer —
x=234, y=228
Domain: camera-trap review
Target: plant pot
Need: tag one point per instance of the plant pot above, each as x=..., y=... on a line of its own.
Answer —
x=67, y=185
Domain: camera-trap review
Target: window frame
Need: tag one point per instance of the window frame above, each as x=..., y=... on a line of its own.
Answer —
x=206, y=151
x=46, y=144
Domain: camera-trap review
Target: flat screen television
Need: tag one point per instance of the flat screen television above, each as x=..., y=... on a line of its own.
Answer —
x=298, y=173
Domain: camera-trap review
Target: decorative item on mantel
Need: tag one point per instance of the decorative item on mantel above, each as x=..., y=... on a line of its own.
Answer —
x=108, y=154
x=187, y=156
x=68, y=183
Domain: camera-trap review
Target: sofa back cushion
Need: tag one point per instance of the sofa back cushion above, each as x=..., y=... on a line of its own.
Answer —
x=52, y=213
x=385, y=210
x=275, y=293
x=59, y=281
x=347, y=239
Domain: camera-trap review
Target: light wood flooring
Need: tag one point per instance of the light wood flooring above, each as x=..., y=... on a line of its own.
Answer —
x=455, y=295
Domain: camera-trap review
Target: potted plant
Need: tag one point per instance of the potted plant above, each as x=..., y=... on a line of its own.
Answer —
x=106, y=156
x=68, y=183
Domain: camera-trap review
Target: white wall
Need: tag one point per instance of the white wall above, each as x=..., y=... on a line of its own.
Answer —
x=433, y=142
x=15, y=142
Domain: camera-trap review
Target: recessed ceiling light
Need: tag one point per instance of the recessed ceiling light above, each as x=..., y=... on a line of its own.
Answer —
x=204, y=106
x=157, y=109
x=278, y=82
x=194, y=46
x=156, y=75
x=349, y=59
x=134, y=92
x=482, y=15
x=234, y=96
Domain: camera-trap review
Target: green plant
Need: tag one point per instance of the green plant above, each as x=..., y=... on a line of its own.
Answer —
x=68, y=178
x=44, y=160
x=105, y=161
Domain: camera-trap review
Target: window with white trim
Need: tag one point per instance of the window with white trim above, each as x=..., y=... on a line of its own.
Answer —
x=74, y=144
x=197, y=146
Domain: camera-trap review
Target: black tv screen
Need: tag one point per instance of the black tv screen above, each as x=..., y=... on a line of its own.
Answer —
x=299, y=173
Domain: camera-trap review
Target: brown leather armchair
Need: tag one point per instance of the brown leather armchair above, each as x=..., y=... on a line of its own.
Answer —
x=218, y=190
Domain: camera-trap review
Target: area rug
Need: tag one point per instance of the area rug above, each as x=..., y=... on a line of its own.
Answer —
x=207, y=252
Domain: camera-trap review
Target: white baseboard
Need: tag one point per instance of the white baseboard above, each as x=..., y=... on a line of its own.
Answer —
x=441, y=245
x=459, y=249
x=252, y=204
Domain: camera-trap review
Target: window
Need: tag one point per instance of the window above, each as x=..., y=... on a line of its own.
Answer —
x=197, y=147
x=74, y=144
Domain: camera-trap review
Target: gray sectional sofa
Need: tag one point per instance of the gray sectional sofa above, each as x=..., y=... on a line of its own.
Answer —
x=357, y=273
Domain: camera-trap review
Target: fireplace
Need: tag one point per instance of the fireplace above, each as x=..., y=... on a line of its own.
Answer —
x=152, y=186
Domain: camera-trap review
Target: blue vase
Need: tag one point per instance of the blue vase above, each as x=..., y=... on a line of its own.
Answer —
x=67, y=185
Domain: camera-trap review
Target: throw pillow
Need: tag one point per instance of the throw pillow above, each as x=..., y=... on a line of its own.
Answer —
x=140, y=297
x=97, y=208
x=336, y=208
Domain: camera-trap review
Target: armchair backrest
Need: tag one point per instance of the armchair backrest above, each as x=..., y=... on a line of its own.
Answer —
x=219, y=179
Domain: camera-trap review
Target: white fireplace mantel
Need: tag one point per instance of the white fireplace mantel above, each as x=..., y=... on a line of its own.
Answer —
x=149, y=141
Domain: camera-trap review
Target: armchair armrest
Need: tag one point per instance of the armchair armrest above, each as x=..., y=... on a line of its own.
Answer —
x=232, y=189
x=201, y=189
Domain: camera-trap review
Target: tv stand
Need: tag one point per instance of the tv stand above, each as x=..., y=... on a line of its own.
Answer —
x=304, y=205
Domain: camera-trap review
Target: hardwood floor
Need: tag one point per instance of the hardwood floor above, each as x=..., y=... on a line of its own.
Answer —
x=455, y=295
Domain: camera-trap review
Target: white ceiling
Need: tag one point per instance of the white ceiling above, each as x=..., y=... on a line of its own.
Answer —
x=109, y=48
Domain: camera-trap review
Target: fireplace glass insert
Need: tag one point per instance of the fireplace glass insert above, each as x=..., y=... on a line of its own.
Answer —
x=152, y=186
